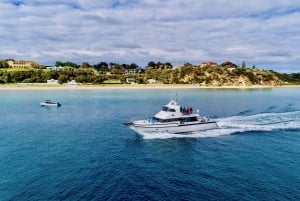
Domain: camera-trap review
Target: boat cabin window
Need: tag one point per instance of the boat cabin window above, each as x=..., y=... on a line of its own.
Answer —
x=168, y=120
x=192, y=119
x=187, y=119
x=166, y=109
x=154, y=119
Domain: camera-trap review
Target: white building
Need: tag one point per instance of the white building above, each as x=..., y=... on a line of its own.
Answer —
x=151, y=81
x=52, y=81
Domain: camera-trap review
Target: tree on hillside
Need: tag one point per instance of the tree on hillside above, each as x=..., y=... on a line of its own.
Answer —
x=129, y=66
x=160, y=65
x=243, y=64
x=85, y=65
x=187, y=64
x=168, y=65
x=229, y=64
x=133, y=66
x=3, y=64
x=102, y=66
x=151, y=64
x=62, y=79
x=111, y=64
x=59, y=63
x=117, y=69
x=71, y=64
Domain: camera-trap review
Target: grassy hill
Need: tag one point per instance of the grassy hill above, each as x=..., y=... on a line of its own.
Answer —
x=216, y=76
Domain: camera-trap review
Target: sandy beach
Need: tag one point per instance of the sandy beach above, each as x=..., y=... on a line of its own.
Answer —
x=42, y=86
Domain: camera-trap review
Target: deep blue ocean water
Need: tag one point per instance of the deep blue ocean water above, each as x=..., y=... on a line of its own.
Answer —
x=82, y=150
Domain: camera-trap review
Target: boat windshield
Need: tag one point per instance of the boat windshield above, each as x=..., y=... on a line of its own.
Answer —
x=166, y=109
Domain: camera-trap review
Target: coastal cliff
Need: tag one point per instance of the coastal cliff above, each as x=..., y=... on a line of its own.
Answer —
x=239, y=77
x=215, y=76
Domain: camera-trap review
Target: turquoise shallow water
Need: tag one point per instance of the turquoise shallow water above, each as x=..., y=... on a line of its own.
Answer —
x=82, y=151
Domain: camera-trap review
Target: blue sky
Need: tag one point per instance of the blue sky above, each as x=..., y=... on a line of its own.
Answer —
x=261, y=33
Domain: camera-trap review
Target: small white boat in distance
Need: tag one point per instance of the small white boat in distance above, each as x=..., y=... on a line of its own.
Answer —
x=173, y=119
x=49, y=103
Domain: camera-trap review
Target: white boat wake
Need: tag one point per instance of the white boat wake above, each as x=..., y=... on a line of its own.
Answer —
x=239, y=124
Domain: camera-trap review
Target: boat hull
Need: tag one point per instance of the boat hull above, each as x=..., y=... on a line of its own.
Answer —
x=50, y=104
x=174, y=128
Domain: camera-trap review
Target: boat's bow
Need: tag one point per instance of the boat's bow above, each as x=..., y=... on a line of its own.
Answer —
x=129, y=123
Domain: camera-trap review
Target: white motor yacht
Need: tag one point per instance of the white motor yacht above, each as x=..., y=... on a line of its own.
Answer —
x=173, y=119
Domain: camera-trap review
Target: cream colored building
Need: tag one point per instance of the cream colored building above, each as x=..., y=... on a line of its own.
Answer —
x=21, y=64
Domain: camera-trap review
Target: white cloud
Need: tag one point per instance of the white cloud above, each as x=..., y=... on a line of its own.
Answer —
x=262, y=33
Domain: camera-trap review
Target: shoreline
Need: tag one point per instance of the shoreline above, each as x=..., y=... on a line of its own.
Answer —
x=129, y=86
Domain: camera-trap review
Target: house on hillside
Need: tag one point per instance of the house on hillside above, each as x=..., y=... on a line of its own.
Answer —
x=208, y=63
x=59, y=68
x=54, y=68
x=135, y=71
x=22, y=64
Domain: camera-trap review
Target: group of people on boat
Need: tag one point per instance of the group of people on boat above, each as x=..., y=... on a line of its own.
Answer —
x=186, y=110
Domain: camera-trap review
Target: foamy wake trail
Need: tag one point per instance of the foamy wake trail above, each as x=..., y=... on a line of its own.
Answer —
x=240, y=124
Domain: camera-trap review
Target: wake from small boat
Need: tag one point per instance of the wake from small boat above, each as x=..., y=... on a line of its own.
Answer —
x=239, y=124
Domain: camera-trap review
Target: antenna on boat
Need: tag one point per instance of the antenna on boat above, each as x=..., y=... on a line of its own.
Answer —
x=176, y=98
